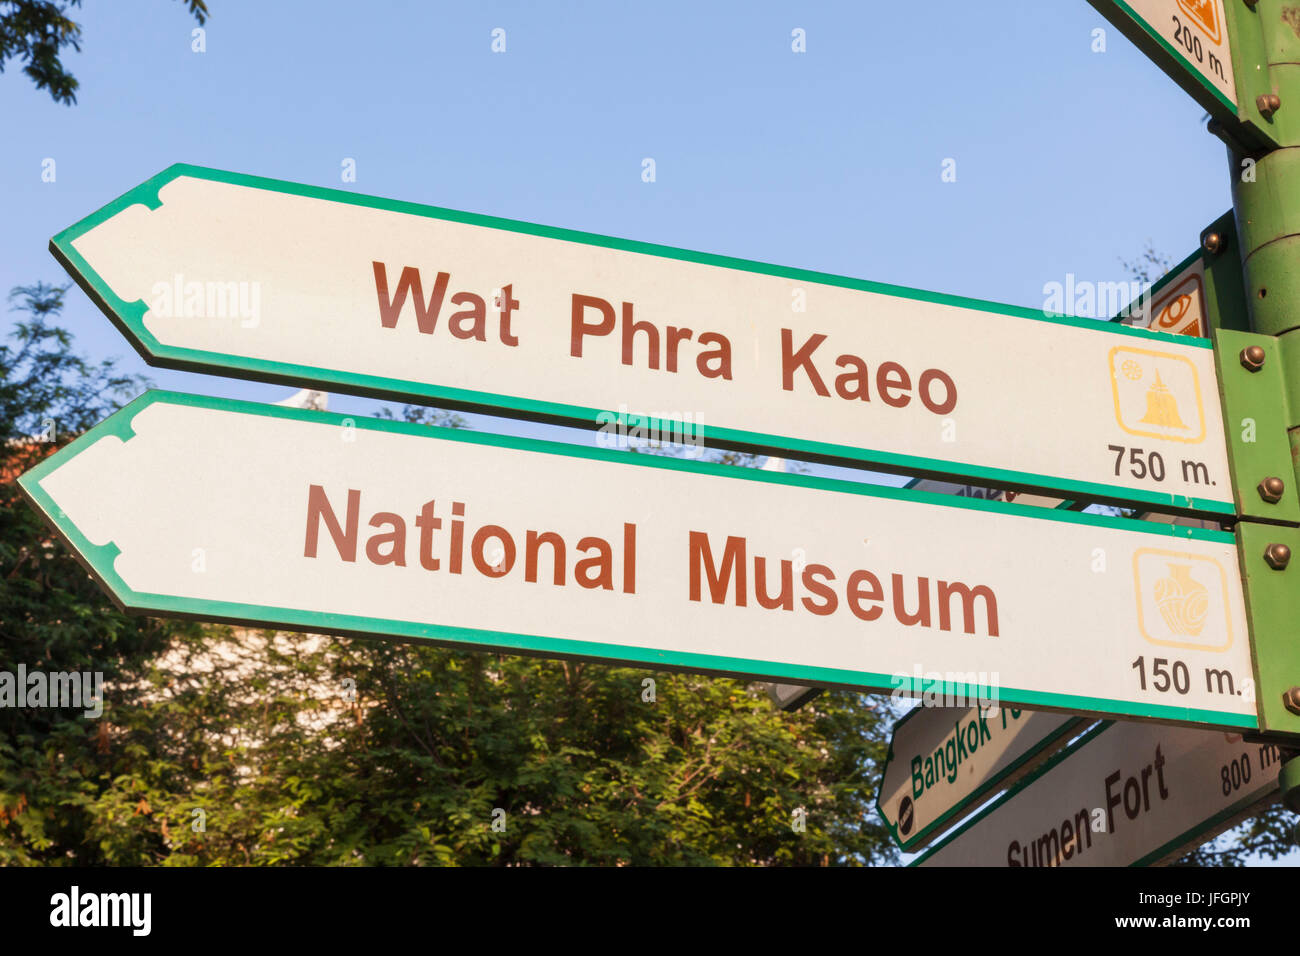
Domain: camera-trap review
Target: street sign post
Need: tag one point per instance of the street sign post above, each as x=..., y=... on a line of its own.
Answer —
x=943, y=761
x=1212, y=50
x=333, y=524
x=219, y=272
x=1126, y=794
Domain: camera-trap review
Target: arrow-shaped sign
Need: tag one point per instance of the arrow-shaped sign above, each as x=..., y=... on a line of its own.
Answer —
x=217, y=272
x=300, y=519
x=1126, y=794
x=943, y=761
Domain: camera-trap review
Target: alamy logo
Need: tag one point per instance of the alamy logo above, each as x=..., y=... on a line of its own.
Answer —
x=676, y=430
x=134, y=910
x=61, y=689
x=190, y=299
x=1098, y=300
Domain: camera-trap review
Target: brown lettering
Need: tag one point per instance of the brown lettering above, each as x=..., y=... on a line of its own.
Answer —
x=579, y=327
x=318, y=506
x=790, y=361
x=426, y=316
x=733, y=562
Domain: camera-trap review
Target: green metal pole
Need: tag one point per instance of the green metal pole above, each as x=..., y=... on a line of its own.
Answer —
x=1266, y=203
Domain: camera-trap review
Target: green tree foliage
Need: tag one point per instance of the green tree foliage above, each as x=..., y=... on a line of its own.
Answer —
x=1270, y=835
x=52, y=616
x=235, y=747
x=325, y=751
x=1149, y=266
x=37, y=32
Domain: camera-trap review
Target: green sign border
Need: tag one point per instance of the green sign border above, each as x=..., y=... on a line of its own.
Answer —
x=1185, y=840
x=1012, y=771
x=99, y=559
x=129, y=318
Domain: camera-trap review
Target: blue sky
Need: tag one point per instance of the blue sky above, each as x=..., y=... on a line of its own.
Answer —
x=1067, y=160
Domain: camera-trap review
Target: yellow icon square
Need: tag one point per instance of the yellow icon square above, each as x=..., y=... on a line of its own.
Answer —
x=1157, y=394
x=1182, y=600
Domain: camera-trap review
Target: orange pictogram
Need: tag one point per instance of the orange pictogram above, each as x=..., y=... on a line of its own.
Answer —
x=1173, y=313
x=1179, y=308
x=1205, y=14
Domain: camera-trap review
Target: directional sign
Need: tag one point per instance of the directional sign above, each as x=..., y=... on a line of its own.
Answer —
x=314, y=521
x=218, y=272
x=1176, y=304
x=944, y=760
x=1190, y=41
x=1127, y=794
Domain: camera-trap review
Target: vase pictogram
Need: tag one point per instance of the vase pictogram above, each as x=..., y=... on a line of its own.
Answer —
x=1184, y=602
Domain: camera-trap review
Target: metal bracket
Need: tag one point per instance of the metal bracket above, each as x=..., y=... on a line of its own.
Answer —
x=1225, y=289
x=1250, y=69
x=1255, y=421
x=1273, y=611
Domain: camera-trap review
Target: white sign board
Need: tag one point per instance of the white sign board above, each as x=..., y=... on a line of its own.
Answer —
x=214, y=271
x=1128, y=794
x=944, y=760
x=326, y=523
